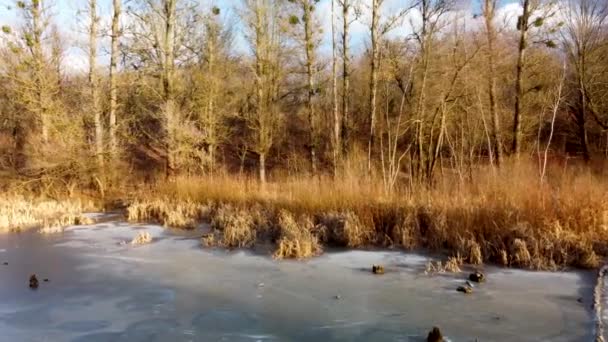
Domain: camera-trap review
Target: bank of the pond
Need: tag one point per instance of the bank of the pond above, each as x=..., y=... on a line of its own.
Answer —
x=475, y=233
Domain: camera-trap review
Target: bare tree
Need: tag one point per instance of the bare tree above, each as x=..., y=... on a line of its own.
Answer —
x=337, y=145
x=49, y=137
x=57, y=53
x=460, y=58
x=583, y=37
x=378, y=29
x=395, y=129
x=94, y=82
x=533, y=16
x=347, y=6
x=168, y=79
x=309, y=42
x=489, y=13
x=262, y=19
x=554, y=110
x=37, y=96
x=523, y=25
x=432, y=14
x=211, y=103
x=116, y=33
x=373, y=82
x=159, y=33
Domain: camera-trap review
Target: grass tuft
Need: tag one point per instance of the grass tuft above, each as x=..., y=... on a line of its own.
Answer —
x=141, y=239
x=169, y=213
x=520, y=255
x=296, y=239
x=346, y=229
x=452, y=265
x=18, y=213
x=236, y=227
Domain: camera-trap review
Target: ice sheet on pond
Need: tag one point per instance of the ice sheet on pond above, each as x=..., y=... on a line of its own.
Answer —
x=103, y=289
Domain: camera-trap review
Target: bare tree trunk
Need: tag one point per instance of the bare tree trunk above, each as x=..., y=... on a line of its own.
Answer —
x=334, y=79
x=57, y=54
x=556, y=105
x=242, y=156
x=373, y=84
x=345, y=75
x=489, y=14
x=39, y=64
x=582, y=107
x=487, y=134
x=170, y=109
x=519, y=93
x=585, y=36
x=113, y=71
x=262, y=168
x=211, y=94
x=421, y=105
x=19, y=137
x=391, y=164
x=310, y=61
x=94, y=82
x=262, y=46
x=439, y=144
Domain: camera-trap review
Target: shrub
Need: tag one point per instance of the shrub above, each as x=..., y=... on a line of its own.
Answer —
x=296, y=238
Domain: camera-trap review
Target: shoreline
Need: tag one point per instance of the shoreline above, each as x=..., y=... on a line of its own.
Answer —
x=264, y=226
x=374, y=225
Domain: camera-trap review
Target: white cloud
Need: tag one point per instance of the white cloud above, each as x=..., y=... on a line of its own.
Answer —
x=506, y=16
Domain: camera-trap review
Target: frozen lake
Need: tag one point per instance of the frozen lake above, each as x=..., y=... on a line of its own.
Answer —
x=174, y=290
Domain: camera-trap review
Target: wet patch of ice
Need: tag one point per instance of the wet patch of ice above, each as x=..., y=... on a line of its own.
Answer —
x=83, y=326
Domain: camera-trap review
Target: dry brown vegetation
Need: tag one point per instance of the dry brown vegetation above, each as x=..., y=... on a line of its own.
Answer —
x=236, y=226
x=296, y=238
x=452, y=265
x=169, y=213
x=18, y=213
x=142, y=238
x=505, y=217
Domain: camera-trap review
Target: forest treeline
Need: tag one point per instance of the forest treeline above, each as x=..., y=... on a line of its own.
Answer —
x=182, y=96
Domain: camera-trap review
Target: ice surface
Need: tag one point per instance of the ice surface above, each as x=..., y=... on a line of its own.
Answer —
x=103, y=289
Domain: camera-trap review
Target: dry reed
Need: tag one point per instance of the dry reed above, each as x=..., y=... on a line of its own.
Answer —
x=18, y=213
x=169, y=213
x=142, y=238
x=504, y=216
x=452, y=265
x=296, y=238
x=236, y=227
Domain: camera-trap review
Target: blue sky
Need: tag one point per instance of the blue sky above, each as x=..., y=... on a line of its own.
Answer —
x=66, y=17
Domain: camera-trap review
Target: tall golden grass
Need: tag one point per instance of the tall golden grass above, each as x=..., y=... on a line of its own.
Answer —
x=236, y=227
x=18, y=213
x=296, y=237
x=168, y=212
x=504, y=216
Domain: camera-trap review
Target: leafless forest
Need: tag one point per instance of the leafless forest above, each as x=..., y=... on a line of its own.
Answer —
x=476, y=134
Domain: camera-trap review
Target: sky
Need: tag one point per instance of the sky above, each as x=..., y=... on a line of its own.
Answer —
x=66, y=16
